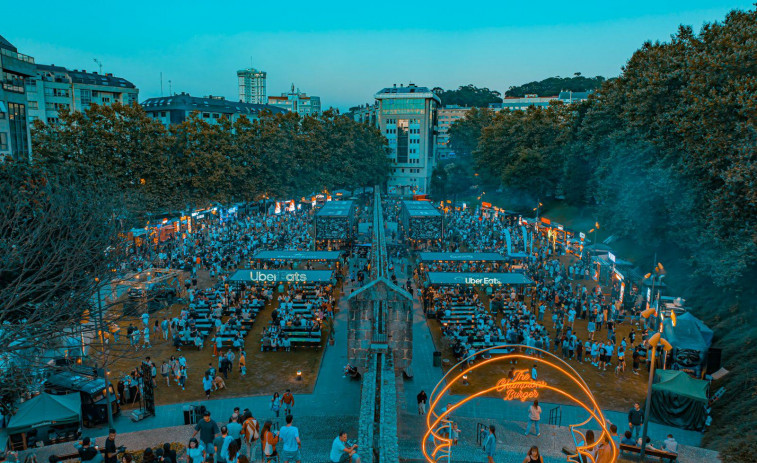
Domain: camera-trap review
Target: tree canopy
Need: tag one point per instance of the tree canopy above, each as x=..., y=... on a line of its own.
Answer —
x=468, y=95
x=554, y=85
x=196, y=163
x=666, y=153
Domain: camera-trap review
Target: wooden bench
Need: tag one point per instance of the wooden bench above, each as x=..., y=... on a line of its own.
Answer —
x=656, y=453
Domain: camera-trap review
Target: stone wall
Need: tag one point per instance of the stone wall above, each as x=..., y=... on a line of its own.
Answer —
x=389, y=452
x=359, y=332
x=400, y=329
x=367, y=409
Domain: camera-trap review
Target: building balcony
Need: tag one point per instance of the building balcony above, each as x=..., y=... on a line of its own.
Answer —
x=18, y=63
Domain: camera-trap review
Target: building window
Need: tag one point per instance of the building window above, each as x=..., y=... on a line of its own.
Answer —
x=50, y=106
x=17, y=119
x=52, y=120
x=162, y=114
x=33, y=105
x=402, y=140
x=86, y=97
x=3, y=141
x=12, y=82
x=206, y=115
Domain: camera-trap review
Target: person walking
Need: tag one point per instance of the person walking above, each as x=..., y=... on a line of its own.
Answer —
x=288, y=402
x=208, y=430
x=276, y=404
x=268, y=441
x=635, y=420
x=165, y=371
x=422, y=399
x=251, y=430
x=207, y=384
x=235, y=430
x=195, y=451
x=490, y=444
x=222, y=444
x=290, y=436
x=534, y=415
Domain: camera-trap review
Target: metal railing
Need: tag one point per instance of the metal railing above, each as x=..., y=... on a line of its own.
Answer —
x=555, y=416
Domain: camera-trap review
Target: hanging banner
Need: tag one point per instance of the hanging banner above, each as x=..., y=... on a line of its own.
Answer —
x=525, y=238
x=532, y=244
x=509, y=242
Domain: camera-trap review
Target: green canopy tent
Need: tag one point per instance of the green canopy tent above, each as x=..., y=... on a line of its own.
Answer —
x=43, y=412
x=679, y=400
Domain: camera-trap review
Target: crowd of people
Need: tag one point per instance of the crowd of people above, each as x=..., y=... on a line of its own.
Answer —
x=561, y=293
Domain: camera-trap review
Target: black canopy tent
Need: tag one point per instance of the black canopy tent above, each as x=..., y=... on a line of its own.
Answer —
x=420, y=220
x=335, y=221
x=679, y=400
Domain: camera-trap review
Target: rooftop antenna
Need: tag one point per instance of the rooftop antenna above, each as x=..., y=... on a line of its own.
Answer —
x=99, y=64
x=161, y=84
x=170, y=91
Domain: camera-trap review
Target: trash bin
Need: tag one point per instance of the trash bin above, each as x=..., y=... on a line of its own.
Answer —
x=437, y=358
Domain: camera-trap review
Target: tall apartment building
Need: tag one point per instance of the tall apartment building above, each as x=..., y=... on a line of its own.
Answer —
x=407, y=116
x=252, y=86
x=54, y=88
x=177, y=108
x=447, y=116
x=15, y=68
x=297, y=102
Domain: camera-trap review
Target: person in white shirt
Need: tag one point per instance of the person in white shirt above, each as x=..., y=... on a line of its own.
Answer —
x=534, y=415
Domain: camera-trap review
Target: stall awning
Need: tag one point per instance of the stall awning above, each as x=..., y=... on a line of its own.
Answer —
x=286, y=276
x=680, y=383
x=297, y=255
x=461, y=257
x=46, y=409
x=478, y=278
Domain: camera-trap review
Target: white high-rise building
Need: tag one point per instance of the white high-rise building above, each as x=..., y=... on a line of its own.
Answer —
x=252, y=86
x=407, y=116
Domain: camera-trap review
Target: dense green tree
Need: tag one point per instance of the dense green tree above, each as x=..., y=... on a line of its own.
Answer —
x=464, y=133
x=554, y=85
x=666, y=152
x=197, y=163
x=469, y=95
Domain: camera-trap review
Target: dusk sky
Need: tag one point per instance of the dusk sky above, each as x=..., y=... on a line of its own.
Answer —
x=345, y=52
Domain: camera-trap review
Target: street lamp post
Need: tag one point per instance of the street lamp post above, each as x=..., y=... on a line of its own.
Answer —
x=109, y=409
x=653, y=341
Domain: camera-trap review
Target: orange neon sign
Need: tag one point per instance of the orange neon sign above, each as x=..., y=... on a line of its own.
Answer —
x=521, y=387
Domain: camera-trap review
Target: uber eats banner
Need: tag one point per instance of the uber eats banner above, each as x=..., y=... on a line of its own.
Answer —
x=285, y=276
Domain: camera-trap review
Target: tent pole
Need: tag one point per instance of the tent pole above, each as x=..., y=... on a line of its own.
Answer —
x=648, y=404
